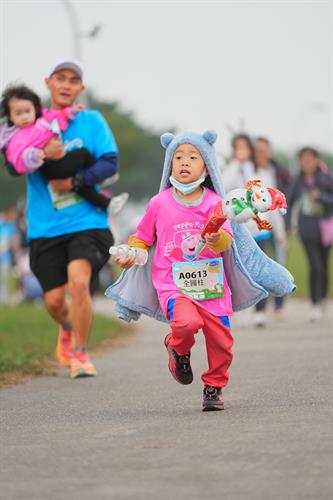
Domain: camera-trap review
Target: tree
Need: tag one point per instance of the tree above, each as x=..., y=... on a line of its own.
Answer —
x=141, y=153
x=11, y=188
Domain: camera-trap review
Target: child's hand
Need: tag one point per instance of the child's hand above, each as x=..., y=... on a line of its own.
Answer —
x=124, y=263
x=54, y=149
x=212, y=238
x=78, y=107
x=40, y=155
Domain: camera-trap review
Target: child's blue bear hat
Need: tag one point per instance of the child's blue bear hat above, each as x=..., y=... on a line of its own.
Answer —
x=201, y=141
x=205, y=145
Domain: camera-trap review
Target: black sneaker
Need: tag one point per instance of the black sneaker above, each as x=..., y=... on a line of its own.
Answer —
x=179, y=366
x=212, y=398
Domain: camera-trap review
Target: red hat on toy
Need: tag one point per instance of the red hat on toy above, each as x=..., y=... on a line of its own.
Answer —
x=278, y=200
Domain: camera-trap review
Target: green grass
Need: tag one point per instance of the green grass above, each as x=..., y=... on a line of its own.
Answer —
x=28, y=337
x=298, y=266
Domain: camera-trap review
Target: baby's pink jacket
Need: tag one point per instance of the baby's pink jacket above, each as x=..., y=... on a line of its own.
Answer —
x=22, y=144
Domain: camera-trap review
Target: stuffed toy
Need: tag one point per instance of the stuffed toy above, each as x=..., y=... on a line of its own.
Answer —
x=241, y=205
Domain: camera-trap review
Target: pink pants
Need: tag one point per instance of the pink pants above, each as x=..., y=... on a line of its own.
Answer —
x=186, y=319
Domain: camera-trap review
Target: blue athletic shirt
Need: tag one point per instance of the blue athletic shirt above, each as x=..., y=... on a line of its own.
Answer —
x=90, y=130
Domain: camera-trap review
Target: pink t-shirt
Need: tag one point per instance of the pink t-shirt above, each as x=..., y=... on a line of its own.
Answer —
x=176, y=229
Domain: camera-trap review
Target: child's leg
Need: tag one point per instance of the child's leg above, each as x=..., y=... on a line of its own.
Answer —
x=90, y=194
x=67, y=166
x=219, y=342
x=185, y=323
x=70, y=165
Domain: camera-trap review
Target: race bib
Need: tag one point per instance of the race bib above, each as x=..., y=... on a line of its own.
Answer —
x=63, y=200
x=200, y=279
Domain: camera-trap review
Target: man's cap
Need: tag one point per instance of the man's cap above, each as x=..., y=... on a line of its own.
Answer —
x=72, y=64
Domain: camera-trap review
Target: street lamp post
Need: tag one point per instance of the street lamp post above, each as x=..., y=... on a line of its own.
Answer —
x=75, y=29
x=77, y=36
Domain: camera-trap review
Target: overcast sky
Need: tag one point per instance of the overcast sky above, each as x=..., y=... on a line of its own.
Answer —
x=190, y=64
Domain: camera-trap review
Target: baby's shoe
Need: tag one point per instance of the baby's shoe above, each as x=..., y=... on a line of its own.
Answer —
x=117, y=203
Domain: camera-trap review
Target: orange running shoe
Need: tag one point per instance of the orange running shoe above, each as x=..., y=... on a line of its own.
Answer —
x=81, y=366
x=64, y=349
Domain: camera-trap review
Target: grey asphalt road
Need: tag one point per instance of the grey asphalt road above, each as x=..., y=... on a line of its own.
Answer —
x=134, y=433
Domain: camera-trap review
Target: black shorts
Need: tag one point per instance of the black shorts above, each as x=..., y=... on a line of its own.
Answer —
x=49, y=257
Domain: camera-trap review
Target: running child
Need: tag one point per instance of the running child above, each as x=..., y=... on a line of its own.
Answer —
x=193, y=292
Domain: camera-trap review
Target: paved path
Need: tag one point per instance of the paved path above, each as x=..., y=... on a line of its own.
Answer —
x=133, y=433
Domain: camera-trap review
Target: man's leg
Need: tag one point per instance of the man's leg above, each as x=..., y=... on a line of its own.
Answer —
x=56, y=305
x=48, y=261
x=79, y=276
x=87, y=253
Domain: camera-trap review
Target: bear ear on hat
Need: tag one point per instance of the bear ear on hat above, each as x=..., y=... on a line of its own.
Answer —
x=210, y=136
x=166, y=139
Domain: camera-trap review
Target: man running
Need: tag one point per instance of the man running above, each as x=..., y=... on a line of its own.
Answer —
x=69, y=237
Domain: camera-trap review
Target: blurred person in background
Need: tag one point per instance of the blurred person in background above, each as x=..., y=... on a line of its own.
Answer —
x=272, y=174
x=236, y=174
x=28, y=287
x=8, y=244
x=240, y=168
x=312, y=188
x=264, y=161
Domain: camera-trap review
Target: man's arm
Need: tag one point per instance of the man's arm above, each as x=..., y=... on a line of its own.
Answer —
x=105, y=149
x=105, y=166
